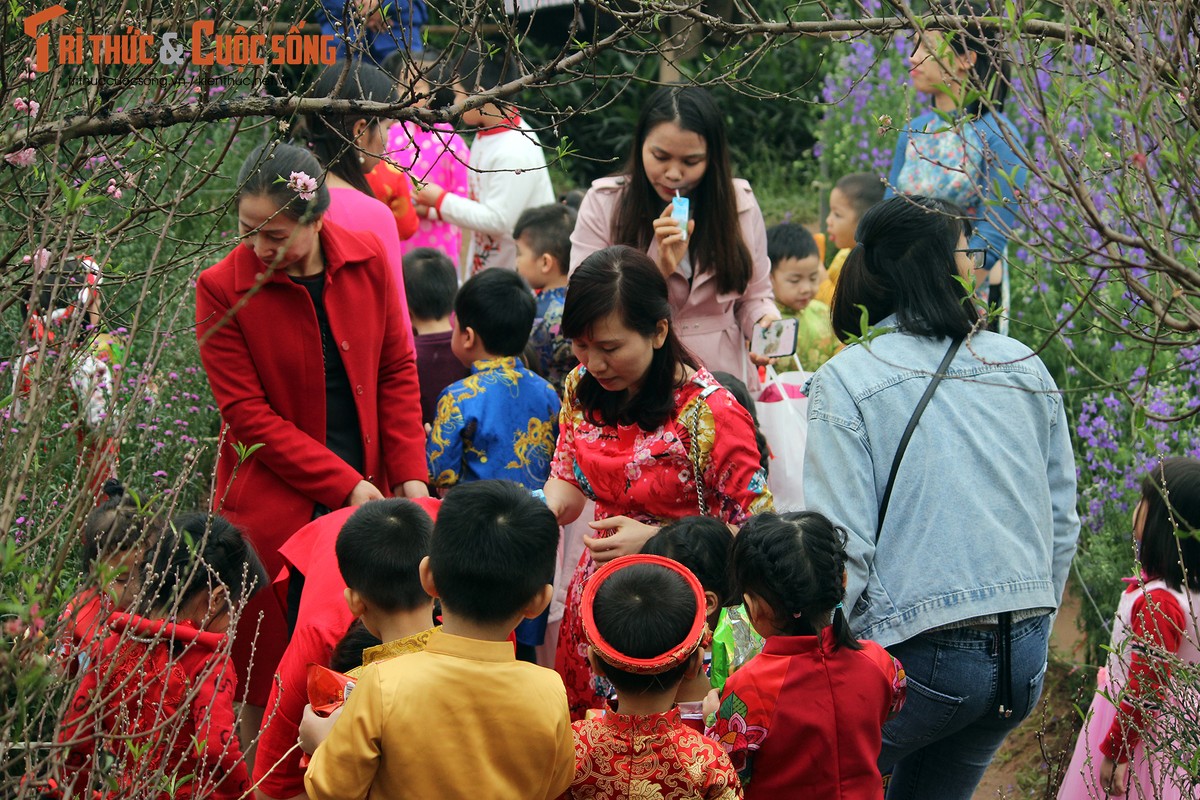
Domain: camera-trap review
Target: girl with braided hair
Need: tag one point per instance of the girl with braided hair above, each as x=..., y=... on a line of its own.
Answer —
x=804, y=717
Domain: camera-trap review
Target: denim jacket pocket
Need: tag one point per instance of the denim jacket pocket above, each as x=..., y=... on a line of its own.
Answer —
x=874, y=604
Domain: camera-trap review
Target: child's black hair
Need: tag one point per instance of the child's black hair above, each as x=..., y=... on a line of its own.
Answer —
x=430, y=283
x=548, y=229
x=499, y=306
x=117, y=525
x=348, y=652
x=790, y=240
x=494, y=547
x=198, y=552
x=741, y=393
x=796, y=562
x=703, y=545
x=861, y=190
x=379, y=550
x=643, y=611
x=1170, y=548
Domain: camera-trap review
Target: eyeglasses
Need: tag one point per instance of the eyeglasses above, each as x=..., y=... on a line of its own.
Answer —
x=978, y=255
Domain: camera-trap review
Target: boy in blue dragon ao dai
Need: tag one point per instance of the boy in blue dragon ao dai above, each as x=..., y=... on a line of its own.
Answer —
x=501, y=421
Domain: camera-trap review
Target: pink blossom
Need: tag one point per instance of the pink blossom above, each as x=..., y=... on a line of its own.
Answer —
x=303, y=185
x=20, y=105
x=22, y=158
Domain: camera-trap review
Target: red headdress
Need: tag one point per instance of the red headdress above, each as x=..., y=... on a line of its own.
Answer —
x=673, y=657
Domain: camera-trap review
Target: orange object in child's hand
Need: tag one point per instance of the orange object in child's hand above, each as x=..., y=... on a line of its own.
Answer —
x=327, y=690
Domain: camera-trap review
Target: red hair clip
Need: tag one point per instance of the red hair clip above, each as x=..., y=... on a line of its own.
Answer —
x=696, y=637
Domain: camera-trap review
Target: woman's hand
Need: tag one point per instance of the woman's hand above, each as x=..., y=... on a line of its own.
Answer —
x=628, y=537
x=315, y=728
x=672, y=247
x=1114, y=777
x=411, y=489
x=758, y=359
x=363, y=492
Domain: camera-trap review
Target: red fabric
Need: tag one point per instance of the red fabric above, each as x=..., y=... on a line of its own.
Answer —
x=648, y=475
x=391, y=186
x=84, y=627
x=803, y=720
x=265, y=367
x=148, y=702
x=1157, y=622
x=620, y=756
x=321, y=622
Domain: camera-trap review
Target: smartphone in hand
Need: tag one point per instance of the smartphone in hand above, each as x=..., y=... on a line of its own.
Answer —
x=777, y=340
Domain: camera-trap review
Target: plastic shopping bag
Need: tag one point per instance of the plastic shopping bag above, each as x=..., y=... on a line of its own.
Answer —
x=783, y=418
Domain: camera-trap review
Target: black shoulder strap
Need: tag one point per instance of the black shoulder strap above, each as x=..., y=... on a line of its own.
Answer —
x=908, y=432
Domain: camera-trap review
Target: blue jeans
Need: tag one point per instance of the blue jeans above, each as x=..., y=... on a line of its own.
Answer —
x=950, y=728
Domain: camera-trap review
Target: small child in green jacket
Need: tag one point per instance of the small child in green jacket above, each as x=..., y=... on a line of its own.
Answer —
x=796, y=273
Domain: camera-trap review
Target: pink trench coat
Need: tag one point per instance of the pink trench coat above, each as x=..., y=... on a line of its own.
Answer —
x=715, y=326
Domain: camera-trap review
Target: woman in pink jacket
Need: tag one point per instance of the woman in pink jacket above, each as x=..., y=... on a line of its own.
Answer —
x=718, y=274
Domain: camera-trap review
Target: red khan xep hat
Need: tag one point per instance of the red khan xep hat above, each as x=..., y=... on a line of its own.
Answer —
x=643, y=666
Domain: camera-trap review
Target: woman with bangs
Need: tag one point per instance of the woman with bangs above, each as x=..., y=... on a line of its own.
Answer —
x=645, y=431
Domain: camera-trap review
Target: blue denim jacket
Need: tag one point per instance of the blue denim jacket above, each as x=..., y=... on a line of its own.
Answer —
x=982, y=517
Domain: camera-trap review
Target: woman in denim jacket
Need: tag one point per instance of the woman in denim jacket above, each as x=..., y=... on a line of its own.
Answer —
x=960, y=580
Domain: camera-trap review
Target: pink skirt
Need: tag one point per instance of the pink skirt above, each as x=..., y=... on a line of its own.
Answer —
x=1148, y=780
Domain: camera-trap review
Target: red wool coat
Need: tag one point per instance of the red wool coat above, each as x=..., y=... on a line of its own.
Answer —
x=262, y=352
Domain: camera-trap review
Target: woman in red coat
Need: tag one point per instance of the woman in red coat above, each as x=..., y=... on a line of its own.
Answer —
x=309, y=359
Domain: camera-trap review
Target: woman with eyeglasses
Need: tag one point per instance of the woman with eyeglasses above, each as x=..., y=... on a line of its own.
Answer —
x=963, y=149
x=944, y=451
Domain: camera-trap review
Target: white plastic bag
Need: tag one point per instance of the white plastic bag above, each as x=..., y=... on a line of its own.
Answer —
x=783, y=418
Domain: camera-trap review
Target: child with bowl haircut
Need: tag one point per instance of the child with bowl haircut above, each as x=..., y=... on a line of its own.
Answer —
x=644, y=619
x=463, y=718
x=796, y=275
x=543, y=237
x=430, y=284
x=501, y=421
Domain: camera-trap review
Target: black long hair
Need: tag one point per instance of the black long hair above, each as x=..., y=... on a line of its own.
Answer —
x=904, y=264
x=795, y=562
x=331, y=138
x=1170, y=547
x=717, y=244
x=989, y=76
x=627, y=282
